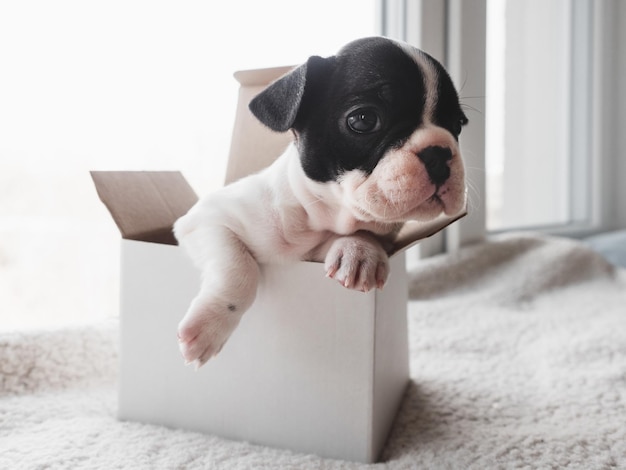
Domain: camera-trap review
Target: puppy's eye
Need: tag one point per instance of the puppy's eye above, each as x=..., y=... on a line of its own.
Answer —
x=363, y=120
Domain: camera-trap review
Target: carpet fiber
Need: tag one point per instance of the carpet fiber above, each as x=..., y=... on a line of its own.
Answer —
x=518, y=360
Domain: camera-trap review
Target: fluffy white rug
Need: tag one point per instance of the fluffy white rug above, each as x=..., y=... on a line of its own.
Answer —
x=518, y=360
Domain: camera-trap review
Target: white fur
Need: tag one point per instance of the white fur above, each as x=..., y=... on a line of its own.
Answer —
x=279, y=215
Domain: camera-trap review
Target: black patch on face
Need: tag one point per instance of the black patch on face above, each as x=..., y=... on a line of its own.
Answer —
x=348, y=110
x=447, y=113
x=354, y=109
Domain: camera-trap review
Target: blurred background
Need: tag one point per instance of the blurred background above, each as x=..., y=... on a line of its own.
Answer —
x=147, y=85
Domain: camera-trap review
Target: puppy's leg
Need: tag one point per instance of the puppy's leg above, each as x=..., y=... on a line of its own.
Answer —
x=229, y=282
x=357, y=262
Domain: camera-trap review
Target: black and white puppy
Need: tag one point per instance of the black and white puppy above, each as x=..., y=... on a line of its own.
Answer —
x=376, y=144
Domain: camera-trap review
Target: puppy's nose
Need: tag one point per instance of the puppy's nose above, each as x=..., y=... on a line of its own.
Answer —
x=436, y=160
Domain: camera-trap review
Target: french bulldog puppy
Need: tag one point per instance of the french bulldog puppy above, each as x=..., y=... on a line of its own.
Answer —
x=376, y=131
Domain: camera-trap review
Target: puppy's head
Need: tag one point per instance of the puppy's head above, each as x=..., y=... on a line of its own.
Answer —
x=379, y=124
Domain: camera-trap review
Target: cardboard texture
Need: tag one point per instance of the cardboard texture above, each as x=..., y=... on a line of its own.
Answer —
x=313, y=367
x=251, y=154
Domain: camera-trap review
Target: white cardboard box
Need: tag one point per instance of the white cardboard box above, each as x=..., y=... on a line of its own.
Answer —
x=313, y=367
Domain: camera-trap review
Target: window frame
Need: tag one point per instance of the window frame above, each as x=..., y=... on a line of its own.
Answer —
x=454, y=31
x=592, y=130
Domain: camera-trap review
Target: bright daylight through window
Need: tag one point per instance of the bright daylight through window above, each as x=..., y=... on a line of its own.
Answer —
x=122, y=85
x=538, y=88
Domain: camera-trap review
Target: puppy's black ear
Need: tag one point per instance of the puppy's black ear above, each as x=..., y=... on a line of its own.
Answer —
x=278, y=105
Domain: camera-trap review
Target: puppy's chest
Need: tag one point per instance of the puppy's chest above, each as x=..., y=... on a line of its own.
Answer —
x=295, y=234
x=290, y=237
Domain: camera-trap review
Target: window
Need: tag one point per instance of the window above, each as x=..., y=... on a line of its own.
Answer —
x=541, y=81
x=539, y=119
x=122, y=85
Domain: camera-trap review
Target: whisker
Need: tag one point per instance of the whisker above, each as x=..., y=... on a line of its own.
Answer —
x=471, y=108
x=473, y=196
x=477, y=97
x=476, y=168
x=464, y=82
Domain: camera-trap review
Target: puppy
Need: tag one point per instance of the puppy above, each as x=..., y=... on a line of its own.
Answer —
x=376, y=144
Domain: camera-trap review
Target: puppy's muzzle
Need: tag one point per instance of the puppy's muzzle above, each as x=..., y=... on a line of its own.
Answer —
x=436, y=160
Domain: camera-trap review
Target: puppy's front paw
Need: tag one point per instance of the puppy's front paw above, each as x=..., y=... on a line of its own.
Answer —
x=357, y=262
x=204, y=330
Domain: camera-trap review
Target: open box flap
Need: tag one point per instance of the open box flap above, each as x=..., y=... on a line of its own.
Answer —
x=412, y=232
x=145, y=204
x=254, y=146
